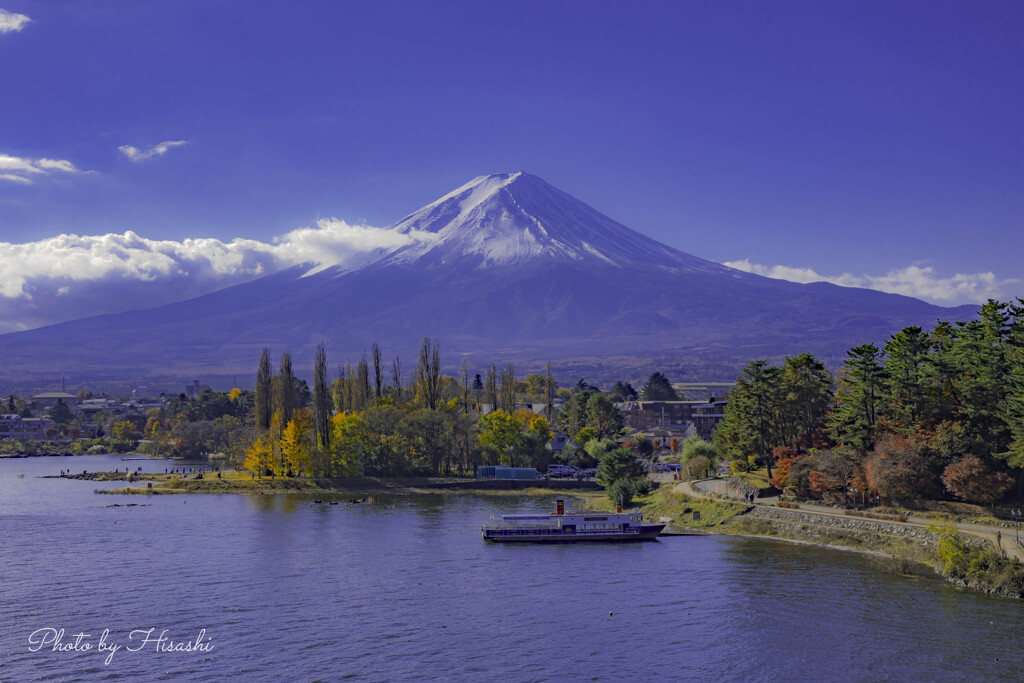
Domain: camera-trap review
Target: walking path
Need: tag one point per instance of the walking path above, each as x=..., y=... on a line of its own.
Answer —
x=1005, y=539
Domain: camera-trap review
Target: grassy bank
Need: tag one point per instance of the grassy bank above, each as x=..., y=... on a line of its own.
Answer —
x=242, y=482
x=665, y=501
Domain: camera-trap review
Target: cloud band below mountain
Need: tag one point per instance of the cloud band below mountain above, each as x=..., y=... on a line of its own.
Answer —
x=920, y=282
x=71, y=276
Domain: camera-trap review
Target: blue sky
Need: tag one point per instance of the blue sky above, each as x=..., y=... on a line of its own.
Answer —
x=873, y=143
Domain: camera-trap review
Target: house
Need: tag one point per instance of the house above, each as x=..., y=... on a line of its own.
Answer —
x=676, y=418
x=50, y=398
x=24, y=428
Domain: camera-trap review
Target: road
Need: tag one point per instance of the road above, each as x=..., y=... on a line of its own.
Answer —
x=1001, y=538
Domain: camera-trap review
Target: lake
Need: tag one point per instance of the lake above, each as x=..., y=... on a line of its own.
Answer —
x=404, y=588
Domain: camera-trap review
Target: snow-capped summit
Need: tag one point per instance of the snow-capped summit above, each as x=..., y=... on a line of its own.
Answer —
x=511, y=218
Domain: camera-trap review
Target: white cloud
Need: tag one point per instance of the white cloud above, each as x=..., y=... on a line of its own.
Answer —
x=11, y=22
x=157, y=150
x=921, y=282
x=22, y=169
x=71, y=276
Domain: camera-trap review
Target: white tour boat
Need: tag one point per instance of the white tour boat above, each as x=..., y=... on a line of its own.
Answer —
x=575, y=526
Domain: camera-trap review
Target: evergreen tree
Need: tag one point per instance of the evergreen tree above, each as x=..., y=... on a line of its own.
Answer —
x=906, y=357
x=859, y=397
x=658, y=388
x=805, y=396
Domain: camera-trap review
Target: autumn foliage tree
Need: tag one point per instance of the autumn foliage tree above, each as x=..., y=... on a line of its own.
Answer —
x=969, y=480
x=896, y=470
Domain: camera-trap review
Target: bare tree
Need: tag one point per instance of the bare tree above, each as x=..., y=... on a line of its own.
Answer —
x=507, y=390
x=362, y=388
x=396, y=377
x=464, y=384
x=550, y=391
x=428, y=372
x=491, y=386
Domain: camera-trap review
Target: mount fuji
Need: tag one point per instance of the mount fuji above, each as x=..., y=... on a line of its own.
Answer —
x=505, y=266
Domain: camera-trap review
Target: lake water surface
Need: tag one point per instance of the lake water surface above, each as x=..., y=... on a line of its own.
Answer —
x=405, y=589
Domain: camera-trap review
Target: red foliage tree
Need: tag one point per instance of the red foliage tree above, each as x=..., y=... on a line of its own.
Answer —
x=784, y=459
x=969, y=479
x=896, y=470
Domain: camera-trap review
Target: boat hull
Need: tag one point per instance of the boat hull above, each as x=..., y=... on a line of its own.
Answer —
x=648, y=532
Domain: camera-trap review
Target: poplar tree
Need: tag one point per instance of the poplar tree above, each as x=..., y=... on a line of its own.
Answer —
x=396, y=377
x=550, y=391
x=507, y=389
x=264, y=397
x=491, y=386
x=377, y=370
x=286, y=399
x=321, y=400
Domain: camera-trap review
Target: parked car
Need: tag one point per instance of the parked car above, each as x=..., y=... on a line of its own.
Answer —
x=561, y=471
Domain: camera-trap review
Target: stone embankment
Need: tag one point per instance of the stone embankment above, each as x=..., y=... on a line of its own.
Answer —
x=800, y=523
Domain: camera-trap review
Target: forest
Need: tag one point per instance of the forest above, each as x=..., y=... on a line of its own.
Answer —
x=928, y=415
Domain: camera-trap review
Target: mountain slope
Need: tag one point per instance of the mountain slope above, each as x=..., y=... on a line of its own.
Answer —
x=504, y=266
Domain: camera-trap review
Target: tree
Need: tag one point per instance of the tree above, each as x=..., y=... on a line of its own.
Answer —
x=896, y=470
x=396, y=378
x=861, y=388
x=805, y=396
x=906, y=356
x=285, y=396
x=502, y=432
x=297, y=441
x=694, y=446
x=507, y=388
x=619, y=473
x=491, y=386
x=428, y=373
x=259, y=457
x=622, y=392
x=60, y=413
x=658, y=388
x=751, y=427
x=969, y=479
x=125, y=430
x=377, y=371
x=264, y=397
x=321, y=399
x=603, y=416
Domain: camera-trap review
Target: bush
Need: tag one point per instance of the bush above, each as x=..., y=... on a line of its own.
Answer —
x=623, y=491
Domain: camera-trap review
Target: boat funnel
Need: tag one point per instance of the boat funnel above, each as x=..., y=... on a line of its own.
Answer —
x=559, y=507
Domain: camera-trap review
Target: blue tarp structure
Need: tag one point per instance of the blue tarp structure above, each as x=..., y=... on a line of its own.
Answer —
x=505, y=472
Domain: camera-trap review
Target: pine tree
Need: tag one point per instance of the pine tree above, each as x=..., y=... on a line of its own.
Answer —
x=859, y=397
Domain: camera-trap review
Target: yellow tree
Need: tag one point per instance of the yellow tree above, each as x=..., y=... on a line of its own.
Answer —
x=125, y=430
x=297, y=441
x=348, y=444
x=260, y=455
